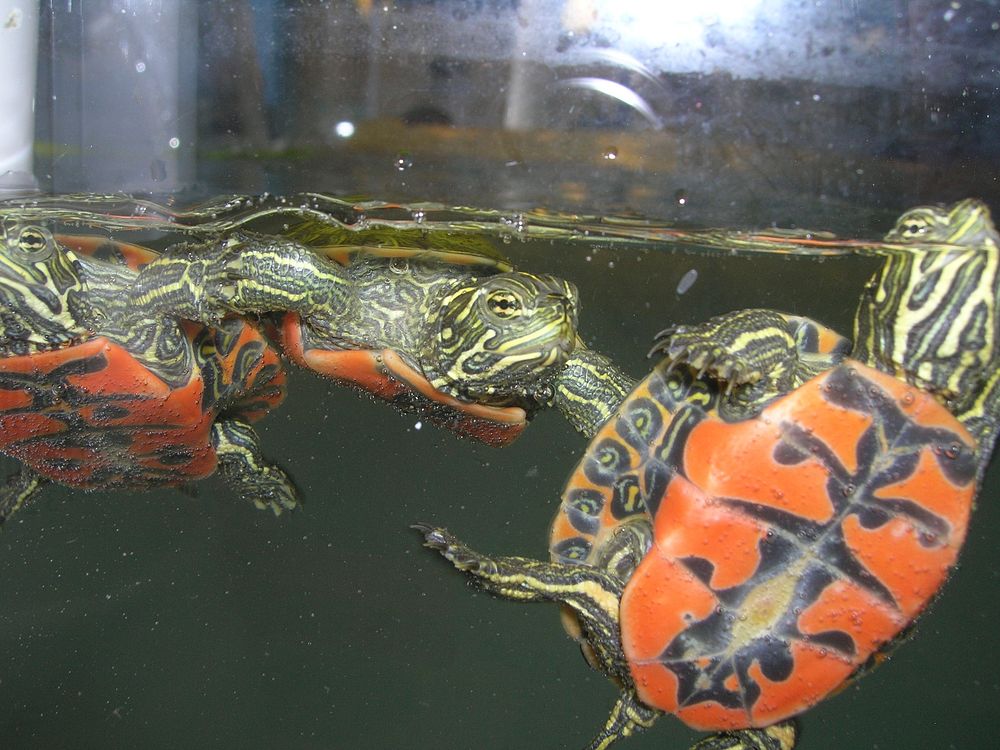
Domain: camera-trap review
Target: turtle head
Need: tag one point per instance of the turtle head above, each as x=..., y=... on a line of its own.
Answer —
x=500, y=340
x=966, y=224
x=929, y=315
x=37, y=279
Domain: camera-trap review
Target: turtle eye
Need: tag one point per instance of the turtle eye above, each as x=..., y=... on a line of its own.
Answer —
x=34, y=242
x=503, y=304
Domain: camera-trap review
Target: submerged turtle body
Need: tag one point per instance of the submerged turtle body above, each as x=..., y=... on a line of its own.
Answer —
x=458, y=337
x=98, y=391
x=770, y=508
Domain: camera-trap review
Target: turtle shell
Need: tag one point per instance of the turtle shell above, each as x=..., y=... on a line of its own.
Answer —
x=91, y=415
x=788, y=548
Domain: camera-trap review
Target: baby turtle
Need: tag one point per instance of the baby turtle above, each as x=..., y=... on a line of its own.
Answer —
x=771, y=508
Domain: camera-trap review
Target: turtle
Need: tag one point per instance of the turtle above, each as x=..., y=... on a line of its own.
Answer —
x=458, y=337
x=99, y=390
x=454, y=334
x=436, y=321
x=769, y=510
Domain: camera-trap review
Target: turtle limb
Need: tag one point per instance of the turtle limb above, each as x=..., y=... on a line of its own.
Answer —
x=783, y=736
x=591, y=593
x=18, y=490
x=242, y=463
x=627, y=717
x=772, y=351
x=589, y=389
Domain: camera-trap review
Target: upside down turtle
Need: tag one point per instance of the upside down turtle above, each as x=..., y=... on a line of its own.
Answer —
x=99, y=390
x=458, y=337
x=734, y=548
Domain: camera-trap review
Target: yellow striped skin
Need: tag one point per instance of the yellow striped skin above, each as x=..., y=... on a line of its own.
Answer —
x=475, y=334
x=930, y=316
x=37, y=282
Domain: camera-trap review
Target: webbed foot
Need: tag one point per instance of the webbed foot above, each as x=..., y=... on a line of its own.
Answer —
x=772, y=351
x=720, y=347
x=241, y=462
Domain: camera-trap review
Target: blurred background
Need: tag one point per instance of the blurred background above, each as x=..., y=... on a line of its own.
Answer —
x=729, y=111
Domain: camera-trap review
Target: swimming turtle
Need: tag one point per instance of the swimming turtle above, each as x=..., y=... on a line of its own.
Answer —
x=456, y=336
x=770, y=508
x=449, y=331
x=98, y=389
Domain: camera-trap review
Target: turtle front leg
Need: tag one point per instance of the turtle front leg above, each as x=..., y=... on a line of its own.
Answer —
x=592, y=593
x=241, y=463
x=783, y=736
x=769, y=350
x=18, y=490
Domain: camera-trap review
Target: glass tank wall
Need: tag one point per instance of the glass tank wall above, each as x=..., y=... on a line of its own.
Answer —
x=184, y=619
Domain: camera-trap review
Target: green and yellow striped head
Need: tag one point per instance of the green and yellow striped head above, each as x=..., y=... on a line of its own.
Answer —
x=37, y=279
x=499, y=340
x=930, y=314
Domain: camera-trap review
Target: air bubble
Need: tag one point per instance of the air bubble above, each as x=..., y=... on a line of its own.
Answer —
x=402, y=162
x=681, y=197
x=687, y=281
x=610, y=153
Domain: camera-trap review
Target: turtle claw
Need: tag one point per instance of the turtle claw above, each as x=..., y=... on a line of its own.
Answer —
x=453, y=550
x=696, y=348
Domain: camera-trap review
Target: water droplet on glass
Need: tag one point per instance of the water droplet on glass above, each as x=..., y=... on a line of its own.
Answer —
x=610, y=153
x=402, y=161
x=681, y=197
x=157, y=170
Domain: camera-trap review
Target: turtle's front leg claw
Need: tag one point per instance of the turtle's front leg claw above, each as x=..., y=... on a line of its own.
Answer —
x=706, y=350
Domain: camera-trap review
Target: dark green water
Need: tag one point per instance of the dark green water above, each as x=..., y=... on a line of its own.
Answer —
x=162, y=621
